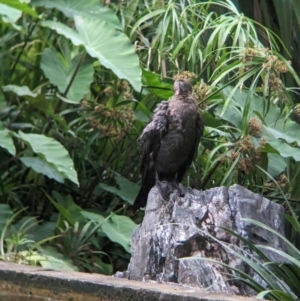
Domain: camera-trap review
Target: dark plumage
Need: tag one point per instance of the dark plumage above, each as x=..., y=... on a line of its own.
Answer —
x=169, y=143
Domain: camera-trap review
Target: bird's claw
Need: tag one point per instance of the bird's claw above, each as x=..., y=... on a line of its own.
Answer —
x=166, y=188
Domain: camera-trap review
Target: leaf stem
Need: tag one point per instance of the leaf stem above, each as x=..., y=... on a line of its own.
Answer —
x=57, y=107
x=74, y=74
x=23, y=47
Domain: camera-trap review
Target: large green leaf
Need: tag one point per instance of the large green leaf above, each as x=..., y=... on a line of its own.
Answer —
x=118, y=228
x=60, y=70
x=10, y=15
x=39, y=101
x=288, y=130
x=49, y=258
x=19, y=90
x=11, y=11
x=53, y=152
x=67, y=208
x=7, y=142
x=284, y=149
x=127, y=192
x=155, y=85
x=41, y=166
x=232, y=115
x=278, y=131
x=17, y=5
x=97, y=218
x=85, y=8
x=277, y=164
x=113, y=48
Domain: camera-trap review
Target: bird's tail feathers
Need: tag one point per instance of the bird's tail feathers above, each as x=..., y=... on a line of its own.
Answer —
x=141, y=199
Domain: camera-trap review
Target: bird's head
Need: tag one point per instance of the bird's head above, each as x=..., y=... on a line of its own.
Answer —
x=182, y=86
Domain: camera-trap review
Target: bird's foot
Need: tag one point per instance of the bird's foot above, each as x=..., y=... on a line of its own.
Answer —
x=164, y=189
x=181, y=190
x=167, y=188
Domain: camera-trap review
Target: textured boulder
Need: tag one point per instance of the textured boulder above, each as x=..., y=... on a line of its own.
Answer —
x=175, y=236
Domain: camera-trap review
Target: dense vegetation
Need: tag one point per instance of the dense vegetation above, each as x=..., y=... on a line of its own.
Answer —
x=79, y=82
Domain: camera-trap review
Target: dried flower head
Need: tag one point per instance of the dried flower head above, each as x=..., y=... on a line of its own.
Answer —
x=275, y=83
x=250, y=154
x=251, y=52
x=123, y=85
x=84, y=104
x=108, y=91
x=200, y=92
x=255, y=127
x=280, y=67
x=112, y=122
x=283, y=181
x=186, y=75
x=296, y=114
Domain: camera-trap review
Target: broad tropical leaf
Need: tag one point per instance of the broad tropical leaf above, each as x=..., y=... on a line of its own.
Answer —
x=60, y=71
x=278, y=131
x=85, y=8
x=123, y=60
x=53, y=152
x=127, y=192
x=10, y=15
x=277, y=164
x=38, y=100
x=97, y=218
x=6, y=141
x=284, y=149
x=19, y=90
x=41, y=166
x=287, y=130
x=11, y=11
x=50, y=258
x=119, y=229
x=154, y=84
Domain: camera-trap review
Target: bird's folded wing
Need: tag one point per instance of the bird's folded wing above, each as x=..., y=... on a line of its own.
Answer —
x=149, y=141
x=199, y=132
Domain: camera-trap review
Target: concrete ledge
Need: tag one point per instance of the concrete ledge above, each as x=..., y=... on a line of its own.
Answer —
x=61, y=285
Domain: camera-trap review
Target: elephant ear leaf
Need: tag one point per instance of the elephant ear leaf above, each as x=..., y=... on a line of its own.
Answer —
x=123, y=61
x=84, y=8
x=59, y=70
x=53, y=152
x=6, y=141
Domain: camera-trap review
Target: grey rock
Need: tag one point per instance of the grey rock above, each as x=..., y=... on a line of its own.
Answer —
x=176, y=240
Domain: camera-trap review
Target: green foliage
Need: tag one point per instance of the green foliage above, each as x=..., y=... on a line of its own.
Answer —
x=89, y=9
x=127, y=192
x=52, y=89
x=60, y=69
x=6, y=141
x=15, y=7
x=41, y=166
x=80, y=81
x=52, y=152
x=20, y=239
x=98, y=44
x=281, y=279
x=117, y=228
